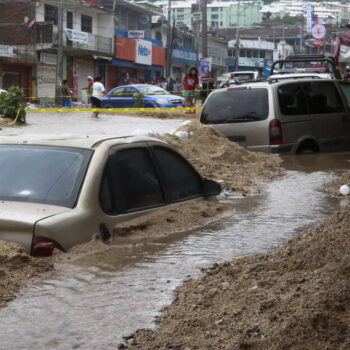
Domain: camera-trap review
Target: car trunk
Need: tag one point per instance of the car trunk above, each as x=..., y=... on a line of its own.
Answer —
x=17, y=220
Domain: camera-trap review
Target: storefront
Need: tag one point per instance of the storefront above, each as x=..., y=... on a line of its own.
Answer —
x=46, y=78
x=17, y=74
x=182, y=61
x=137, y=60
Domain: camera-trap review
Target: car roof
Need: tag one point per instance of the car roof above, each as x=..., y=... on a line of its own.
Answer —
x=135, y=85
x=89, y=142
x=237, y=72
x=298, y=75
x=271, y=82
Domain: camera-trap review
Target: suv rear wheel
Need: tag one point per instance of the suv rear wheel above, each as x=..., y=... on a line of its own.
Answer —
x=308, y=147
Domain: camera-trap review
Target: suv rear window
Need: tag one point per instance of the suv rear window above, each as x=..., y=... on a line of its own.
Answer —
x=236, y=106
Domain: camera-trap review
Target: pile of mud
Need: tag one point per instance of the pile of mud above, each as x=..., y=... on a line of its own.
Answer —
x=159, y=114
x=217, y=158
x=17, y=269
x=175, y=218
x=332, y=187
x=294, y=297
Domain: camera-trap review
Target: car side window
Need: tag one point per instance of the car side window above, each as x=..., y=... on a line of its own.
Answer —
x=180, y=180
x=291, y=99
x=323, y=98
x=130, y=182
x=119, y=92
x=130, y=92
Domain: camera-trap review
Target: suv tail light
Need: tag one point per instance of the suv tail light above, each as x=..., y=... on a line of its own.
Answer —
x=275, y=132
x=42, y=246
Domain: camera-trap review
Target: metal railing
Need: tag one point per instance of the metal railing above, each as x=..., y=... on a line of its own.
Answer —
x=96, y=43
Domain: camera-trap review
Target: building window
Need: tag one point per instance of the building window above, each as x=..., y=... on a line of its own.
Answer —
x=262, y=54
x=214, y=16
x=51, y=14
x=180, y=17
x=255, y=53
x=180, y=10
x=86, y=24
x=214, y=9
x=221, y=24
x=158, y=36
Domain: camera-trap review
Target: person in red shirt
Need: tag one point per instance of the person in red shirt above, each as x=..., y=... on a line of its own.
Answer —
x=190, y=83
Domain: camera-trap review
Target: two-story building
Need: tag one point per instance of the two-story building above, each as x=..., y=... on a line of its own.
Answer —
x=30, y=28
x=88, y=41
x=139, y=52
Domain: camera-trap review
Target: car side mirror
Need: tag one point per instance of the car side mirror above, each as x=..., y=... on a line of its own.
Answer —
x=211, y=188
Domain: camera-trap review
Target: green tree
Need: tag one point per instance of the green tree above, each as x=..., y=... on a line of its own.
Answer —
x=285, y=20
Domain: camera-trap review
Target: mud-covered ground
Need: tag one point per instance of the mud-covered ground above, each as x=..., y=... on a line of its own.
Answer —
x=216, y=157
x=18, y=269
x=293, y=297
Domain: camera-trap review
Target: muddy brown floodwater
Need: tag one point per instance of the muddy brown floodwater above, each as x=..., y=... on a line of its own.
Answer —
x=91, y=302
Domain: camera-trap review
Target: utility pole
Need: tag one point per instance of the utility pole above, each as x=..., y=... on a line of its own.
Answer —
x=59, y=63
x=204, y=28
x=169, y=42
x=237, y=36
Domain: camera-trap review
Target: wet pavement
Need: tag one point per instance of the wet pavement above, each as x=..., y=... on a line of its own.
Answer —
x=91, y=303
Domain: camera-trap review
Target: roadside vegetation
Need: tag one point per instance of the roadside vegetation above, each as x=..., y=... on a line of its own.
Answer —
x=12, y=105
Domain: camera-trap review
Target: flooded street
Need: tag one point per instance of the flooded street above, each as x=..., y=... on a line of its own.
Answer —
x=90, y=303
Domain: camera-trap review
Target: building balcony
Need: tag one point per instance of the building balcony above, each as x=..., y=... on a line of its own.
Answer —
x=95, y=44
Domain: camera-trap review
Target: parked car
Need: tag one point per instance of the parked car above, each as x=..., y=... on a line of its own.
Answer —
x=305, y=65
x=283, y=116
x=241, y=76
x=141, y=95
x=58, y=193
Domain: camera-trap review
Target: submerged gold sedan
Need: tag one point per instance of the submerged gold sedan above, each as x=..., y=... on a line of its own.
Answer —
x=58, y=193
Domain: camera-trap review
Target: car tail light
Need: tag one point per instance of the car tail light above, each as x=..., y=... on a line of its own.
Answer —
x=275, y=131
x=42, y=246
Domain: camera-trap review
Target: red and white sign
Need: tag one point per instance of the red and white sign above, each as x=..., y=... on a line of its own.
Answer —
x=318, y=31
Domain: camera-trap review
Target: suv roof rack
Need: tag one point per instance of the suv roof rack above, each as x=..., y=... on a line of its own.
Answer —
x=305, y=56
x=272, y=80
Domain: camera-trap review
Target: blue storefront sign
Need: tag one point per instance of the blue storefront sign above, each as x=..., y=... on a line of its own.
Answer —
x=184, y=55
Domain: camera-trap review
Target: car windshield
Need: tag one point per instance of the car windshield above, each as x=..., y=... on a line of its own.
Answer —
x=42, y=174
x=244, y=77
x=236, y=105
x=152, y=90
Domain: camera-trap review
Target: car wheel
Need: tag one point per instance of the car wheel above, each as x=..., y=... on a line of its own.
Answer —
x=308, y=147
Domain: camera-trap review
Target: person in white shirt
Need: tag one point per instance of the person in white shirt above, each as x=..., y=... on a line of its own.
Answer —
x=232, y=81
x=98, y=90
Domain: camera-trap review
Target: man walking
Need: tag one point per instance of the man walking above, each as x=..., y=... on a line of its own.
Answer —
x=66, y=100
x=98, y=90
